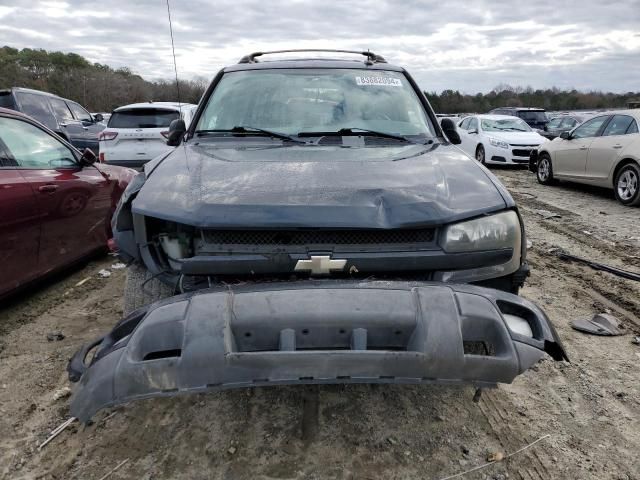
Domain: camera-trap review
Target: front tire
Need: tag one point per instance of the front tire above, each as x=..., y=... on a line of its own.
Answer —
x=627, y=185
x=142, y=288
x=544, y=172
x=481, y=155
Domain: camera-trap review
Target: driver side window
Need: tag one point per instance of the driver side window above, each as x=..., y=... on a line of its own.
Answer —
x=31, y=147
x=590, y=128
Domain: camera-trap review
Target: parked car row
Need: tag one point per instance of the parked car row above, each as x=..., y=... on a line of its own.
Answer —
x=562, y=123
x=601, y=149
x=130, y=136
x=68, y=119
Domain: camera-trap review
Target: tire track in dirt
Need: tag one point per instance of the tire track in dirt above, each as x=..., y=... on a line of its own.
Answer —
x=496, y=407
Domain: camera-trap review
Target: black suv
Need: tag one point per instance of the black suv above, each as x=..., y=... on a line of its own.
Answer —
x=314, y=225
x=65, y=117
x=534, y=117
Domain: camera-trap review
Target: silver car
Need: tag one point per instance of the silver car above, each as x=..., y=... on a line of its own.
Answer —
x=603, y=151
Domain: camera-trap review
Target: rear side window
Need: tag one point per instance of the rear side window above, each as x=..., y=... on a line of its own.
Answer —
x=6, y=100
x=36, y=106
x=532, y=116
x=618, y=125
x=60, y=109
x=555, y=123
x=79, y=112
x=569, y=123
x=143, y=118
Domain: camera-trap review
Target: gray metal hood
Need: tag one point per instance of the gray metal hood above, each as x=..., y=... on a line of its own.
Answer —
x=225, y=185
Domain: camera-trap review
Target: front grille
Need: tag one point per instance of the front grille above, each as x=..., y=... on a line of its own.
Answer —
x=319, y=237
x=521, y=153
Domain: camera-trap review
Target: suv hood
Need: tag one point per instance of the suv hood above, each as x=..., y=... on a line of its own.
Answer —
x=205, y=185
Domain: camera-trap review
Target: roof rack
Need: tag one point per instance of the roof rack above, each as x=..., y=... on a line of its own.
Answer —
x=371, y=57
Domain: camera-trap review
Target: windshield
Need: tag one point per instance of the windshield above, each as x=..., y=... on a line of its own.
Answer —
x=511, y=124
x=533, y=116
x=292, y=101
x=143, y=118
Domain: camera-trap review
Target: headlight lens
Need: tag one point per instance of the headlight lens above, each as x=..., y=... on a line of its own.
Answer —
x=486, y=233
x=498, y=143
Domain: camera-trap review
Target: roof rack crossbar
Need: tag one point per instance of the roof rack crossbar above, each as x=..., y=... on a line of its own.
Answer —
x=371, y=57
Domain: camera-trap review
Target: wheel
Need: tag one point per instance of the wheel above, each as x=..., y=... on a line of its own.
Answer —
x=544, y=172
x=142, y=288
x=480, y=155
x=627, y=185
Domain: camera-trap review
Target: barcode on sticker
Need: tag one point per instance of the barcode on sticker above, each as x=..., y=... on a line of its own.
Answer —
x=379, y=81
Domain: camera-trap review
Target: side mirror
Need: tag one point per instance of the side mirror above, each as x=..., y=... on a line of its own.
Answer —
x=545, y=128
x=177, y=128
x=449, y=129
x=88, y=157
x=98, y=117
x=474, y=132
x=565, y=136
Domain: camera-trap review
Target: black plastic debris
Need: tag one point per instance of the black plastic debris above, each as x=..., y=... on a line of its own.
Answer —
x=600, y=324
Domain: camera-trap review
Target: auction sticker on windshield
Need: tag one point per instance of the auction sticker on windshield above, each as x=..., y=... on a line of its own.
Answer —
x=379, y=81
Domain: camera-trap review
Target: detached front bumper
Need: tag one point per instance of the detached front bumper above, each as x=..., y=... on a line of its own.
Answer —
x=312, y=333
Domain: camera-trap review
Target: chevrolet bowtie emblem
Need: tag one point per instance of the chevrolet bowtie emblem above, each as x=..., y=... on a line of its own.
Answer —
x=320, y=265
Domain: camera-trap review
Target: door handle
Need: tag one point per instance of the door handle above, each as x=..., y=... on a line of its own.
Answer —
x=48, y=188
x=617, y=146
x=62, y=124
x=85, y=128
x=583, y=148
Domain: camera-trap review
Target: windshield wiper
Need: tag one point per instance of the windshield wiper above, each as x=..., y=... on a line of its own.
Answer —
x=246, y=130
x=355, y=131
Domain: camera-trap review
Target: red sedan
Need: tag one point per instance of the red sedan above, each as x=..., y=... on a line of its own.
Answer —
x=55, y=202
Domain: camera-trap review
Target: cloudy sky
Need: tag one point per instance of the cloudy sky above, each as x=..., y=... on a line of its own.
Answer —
x=466, y=45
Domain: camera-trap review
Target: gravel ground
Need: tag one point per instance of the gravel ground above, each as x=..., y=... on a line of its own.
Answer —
x=590, y=408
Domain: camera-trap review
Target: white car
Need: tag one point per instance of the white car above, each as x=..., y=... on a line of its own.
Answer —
x=498, y=139
x=603, y=151
x=138, y=132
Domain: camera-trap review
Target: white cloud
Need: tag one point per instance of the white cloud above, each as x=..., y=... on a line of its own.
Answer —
x=459, y=45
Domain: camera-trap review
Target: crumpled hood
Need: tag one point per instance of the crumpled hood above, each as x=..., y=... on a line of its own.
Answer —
x=205, y=185
x=518, y=138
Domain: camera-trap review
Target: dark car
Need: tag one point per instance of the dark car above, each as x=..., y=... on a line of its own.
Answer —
x=70, y=120
x=560, y=124
x=535, y=117
x=55, y=203
x=314, y=226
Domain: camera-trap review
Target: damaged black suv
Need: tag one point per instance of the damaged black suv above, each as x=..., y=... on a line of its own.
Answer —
x=314, y=224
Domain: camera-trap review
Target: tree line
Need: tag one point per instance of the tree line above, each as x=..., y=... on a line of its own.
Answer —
x=98, y=87
x=101, y=88
x=552, y=99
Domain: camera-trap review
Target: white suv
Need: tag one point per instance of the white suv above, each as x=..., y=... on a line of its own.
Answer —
x=138, y=132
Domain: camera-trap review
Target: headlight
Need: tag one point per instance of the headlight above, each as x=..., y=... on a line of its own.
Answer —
x=498, y=143
x=486, y=233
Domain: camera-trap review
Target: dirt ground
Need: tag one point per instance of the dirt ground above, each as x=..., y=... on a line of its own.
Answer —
x=590, y=408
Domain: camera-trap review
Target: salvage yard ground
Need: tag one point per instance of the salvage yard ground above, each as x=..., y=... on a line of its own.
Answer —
x=589, y=407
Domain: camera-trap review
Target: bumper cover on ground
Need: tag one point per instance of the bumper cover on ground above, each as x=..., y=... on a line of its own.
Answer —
x=311, y=332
